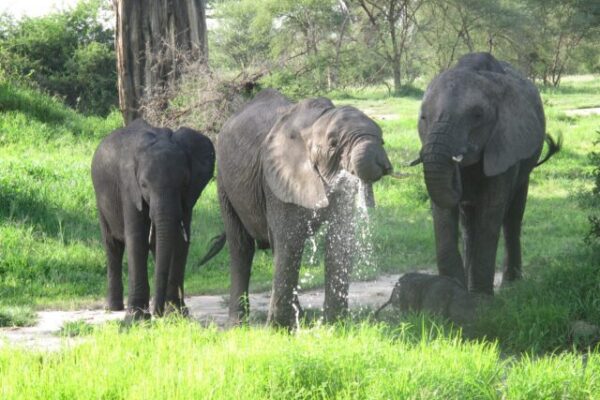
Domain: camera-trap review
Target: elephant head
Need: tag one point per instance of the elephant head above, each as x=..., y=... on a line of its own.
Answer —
x=164, y=178
x=479, y=111
x=312, y=142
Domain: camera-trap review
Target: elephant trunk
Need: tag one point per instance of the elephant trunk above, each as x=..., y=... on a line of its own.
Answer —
x=369, y=161
x=168, y=232
x=442, y=174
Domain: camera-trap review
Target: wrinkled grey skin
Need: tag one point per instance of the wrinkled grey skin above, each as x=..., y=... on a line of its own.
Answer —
x=276, y=181
x=482, y=128
x=145, y=176
x=439, y=295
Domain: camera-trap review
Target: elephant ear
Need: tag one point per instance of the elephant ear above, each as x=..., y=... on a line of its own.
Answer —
x=519, y=131
x=201, y=156
x=285, y=156
x=144, y=136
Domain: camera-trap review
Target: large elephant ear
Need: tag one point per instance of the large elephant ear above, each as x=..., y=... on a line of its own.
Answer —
x=201, y=155
x=143, y=136
x=519, y=131
x=286, y=164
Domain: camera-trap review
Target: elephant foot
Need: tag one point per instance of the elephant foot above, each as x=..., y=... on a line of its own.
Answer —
x=176, y=308
x=115, y=305
x=509, y=278
x=136, y=315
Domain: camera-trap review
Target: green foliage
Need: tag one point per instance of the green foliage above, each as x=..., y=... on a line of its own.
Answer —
x=69, y=54
x=12, y=316
x=594, y=198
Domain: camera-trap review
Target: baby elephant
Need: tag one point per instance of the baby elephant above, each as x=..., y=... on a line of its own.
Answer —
x=440, y=295
x=147, y=181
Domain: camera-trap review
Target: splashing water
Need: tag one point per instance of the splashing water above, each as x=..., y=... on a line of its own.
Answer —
x=365, y=260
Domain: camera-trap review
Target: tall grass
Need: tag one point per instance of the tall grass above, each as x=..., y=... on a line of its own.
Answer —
x=180, y=360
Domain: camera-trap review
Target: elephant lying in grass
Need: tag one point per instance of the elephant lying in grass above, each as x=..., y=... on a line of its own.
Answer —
x=280, y=175
x=435, y=294
x=482, y=128
x=147, y=181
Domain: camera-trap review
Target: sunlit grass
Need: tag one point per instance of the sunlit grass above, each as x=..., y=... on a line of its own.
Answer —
x=181, y=360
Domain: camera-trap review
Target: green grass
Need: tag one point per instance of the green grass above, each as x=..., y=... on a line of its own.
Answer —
x=179, y=359
x=51, y=256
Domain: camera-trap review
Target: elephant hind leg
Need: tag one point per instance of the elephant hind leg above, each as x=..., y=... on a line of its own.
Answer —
x=241, y=252
x=114, y=250
x=512, y=236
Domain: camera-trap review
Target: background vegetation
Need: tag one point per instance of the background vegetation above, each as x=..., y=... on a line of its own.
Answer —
x=57, y=101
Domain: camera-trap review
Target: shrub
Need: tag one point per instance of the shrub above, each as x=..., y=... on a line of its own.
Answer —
x=594, y=233
x=69, y=54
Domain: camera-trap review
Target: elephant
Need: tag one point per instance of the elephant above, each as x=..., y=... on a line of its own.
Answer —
x=482, y=129
x=146, y=181
x=440, y=295
x=284, y=169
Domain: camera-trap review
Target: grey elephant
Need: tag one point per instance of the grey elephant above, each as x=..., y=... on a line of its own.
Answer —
x=279, y=177
x=147, y=181
x=482, y=130
x=439, y=295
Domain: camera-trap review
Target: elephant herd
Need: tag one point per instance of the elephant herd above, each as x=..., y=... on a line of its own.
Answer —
x=286, y=168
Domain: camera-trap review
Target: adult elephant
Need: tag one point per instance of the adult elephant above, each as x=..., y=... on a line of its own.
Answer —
x=482, y=129
x=278, y=178
x=147, y=181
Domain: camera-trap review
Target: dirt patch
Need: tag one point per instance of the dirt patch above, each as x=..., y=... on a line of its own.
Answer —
x=205, y=309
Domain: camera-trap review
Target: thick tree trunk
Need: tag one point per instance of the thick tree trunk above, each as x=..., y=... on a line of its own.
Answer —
x=152, y=38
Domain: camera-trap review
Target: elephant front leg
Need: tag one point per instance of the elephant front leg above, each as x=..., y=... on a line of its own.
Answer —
x=448, y=257
x=137, y=228
x=339, y=251
x=288, y=255
x=175, y=293
x=481, y=244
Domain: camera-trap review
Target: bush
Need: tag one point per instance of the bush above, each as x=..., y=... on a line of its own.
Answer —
x=69, y=54
x=594, y=234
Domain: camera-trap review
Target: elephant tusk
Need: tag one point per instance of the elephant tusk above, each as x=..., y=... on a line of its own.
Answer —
x=458, y=158
x=184, y=233
x=150, y=234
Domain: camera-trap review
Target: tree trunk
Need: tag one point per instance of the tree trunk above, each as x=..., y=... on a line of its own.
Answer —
x=153, y=37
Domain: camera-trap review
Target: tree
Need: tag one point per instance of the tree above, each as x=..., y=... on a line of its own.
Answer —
x=393, y=24
x=556, y=29
x=153, y=38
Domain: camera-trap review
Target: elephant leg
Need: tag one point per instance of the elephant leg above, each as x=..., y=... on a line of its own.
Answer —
x=288, y=255
x=484, y=228
x=288, y=231
x=175, y=293
x=114, y=250
x=449, y=261
x=512, y=235
x=174, y=297
x=241, y=252
x=137, y=228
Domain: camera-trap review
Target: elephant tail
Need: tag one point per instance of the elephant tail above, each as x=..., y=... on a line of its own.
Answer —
x=554, y=147
x=216, y=245
x=384, y=305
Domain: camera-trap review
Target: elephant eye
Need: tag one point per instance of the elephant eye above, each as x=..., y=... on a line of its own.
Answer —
x=333, y=142
x=477, y=112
